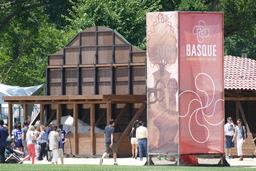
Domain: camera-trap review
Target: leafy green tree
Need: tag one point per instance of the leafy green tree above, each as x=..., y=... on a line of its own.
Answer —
x=126, y=17
x=26, y=40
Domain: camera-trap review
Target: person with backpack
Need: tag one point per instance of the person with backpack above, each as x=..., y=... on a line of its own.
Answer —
x=240, y=134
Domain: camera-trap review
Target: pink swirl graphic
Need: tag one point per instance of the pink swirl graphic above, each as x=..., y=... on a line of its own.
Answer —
x=204, y=105
x=201, y=31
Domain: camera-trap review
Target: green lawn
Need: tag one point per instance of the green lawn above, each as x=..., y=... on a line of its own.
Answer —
x=49, y=167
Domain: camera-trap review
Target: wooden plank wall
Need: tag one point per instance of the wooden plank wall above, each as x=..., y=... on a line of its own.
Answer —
x=97, y=61
x=85, y=147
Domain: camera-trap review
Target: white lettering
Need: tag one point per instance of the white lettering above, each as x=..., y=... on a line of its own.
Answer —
x=201, y=50
x=188, y=50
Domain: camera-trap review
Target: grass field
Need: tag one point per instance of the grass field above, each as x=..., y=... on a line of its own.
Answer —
x=49, y=167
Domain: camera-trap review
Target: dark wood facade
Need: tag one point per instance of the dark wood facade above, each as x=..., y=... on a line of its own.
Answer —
x=97, y=61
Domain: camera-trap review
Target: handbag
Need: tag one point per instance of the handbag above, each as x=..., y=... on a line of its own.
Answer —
x=47, y=148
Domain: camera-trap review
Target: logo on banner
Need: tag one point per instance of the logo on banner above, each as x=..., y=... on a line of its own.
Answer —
x=201, y=31
x=201, y=49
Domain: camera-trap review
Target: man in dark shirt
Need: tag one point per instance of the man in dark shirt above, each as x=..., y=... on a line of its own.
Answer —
x=3, y=144
x=109, y=141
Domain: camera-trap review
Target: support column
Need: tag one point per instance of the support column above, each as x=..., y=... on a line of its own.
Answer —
x=42, y=114
x=75, y=127
x=237, y=111
x=10, y=119
x=92, y=129
x=25, y=112
x=109, y=111
x=58, y=115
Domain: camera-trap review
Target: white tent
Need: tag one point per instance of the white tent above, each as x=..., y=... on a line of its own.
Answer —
x=68, y=121
x=7, y=90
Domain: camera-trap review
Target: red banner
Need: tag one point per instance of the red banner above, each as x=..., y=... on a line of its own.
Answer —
x=201, y=86
x=185, y=82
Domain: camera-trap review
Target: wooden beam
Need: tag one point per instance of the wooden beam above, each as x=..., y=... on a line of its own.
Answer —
x=25, y=112
x=75, y=127
x=35, y=118
x=10, y=119
x=42, y=114
x=58, y=115
x=109, y=112
x=243, y=117
x=52, y=116
x=120, y=115
x=92, y=129
x=129, y=127
x=86, y=115
x=237, y=111
x=240, y=98
x=100, y=118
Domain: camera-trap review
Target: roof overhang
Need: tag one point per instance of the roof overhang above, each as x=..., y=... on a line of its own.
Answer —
x=67, y=99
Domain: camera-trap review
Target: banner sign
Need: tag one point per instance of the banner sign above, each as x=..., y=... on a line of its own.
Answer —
x=185, y=82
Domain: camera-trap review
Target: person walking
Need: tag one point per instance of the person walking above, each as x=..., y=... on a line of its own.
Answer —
x=109, y=141
x=54, y=144
x=60, y=148
x=240, y=134
x=30, y=139
x=3, y=136
x=142, y=137
x=134, y=141
x=24, y=131
x=229, y=130
x=42, y=140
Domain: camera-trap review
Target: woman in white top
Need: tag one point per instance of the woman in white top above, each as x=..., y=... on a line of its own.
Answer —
x=240, y=133
x=30, y=144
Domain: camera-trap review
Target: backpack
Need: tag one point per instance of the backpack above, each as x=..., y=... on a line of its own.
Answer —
x=244, y=130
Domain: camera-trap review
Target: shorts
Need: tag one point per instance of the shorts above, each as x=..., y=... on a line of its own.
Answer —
x=134, y=141
x=229, y=143
x=107, y=148
x=18, y=145
x=60, y=153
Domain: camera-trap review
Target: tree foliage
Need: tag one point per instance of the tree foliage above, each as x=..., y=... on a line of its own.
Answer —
x=32, y=29
x=126, y=17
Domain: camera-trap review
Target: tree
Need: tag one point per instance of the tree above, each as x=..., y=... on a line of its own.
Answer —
x=26, y=40
x=126, y=17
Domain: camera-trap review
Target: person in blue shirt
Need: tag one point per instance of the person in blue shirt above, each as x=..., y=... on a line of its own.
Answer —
x=3, y=136
x=63, y=136
x=61, y=145
x=42, y=141
x=18, y=138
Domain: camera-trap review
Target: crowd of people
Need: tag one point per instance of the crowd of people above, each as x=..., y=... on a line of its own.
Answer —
x=34, y=142
x=40, y=142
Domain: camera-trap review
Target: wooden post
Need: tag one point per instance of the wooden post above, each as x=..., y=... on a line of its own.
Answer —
x=129, y=126
x=109, y=111
x=243, y=117
x=25, y=112
x=10, y=118
x=42, y=114
x=237, y=111
x=75, y=127
x=58, y=115
x=92, y=129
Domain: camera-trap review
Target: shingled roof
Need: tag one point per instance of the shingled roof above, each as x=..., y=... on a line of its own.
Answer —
x=239, y=73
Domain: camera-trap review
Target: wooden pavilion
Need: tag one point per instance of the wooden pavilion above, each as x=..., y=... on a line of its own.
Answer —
x=99, y=76
x=96, y=77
